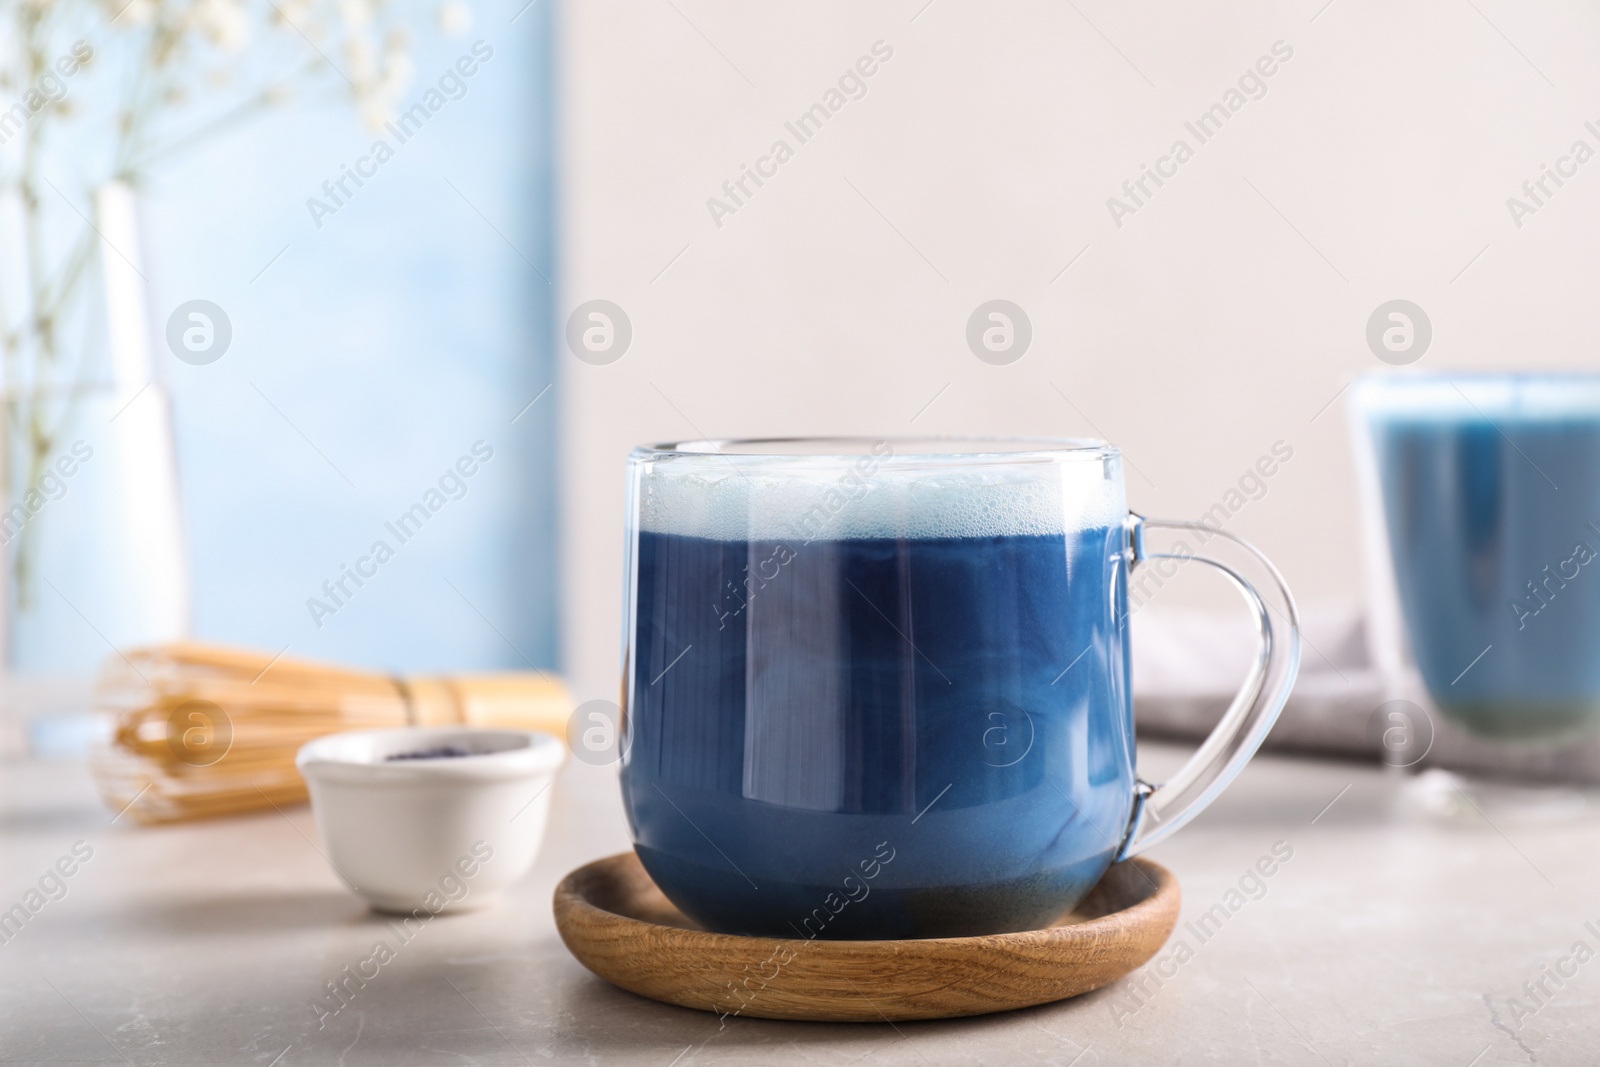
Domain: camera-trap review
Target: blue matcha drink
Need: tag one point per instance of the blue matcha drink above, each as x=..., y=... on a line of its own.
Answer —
x=1491, y=499
x=887, y=710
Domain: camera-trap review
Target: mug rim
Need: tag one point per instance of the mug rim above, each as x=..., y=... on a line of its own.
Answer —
x=958, y=448
x=1464, y=393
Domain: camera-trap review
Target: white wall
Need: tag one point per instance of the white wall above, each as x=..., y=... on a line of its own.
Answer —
x=1220, y=318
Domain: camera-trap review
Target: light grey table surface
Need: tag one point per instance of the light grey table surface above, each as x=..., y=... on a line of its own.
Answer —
x=1391, y=936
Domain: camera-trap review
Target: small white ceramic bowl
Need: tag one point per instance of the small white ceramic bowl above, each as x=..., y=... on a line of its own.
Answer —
x=431, y=830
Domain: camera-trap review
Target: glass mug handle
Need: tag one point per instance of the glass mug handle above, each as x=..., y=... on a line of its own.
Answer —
x=1160, y=810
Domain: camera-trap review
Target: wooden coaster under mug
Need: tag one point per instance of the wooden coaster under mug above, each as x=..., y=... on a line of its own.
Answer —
x=618, y=924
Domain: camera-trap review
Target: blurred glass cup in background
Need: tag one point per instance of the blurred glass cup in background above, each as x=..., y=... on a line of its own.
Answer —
x=1482, y=501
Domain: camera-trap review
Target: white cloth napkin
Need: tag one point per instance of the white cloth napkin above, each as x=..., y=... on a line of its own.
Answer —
x=1187, y=663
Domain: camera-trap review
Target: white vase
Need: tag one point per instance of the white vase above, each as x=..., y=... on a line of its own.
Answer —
x=93, y=530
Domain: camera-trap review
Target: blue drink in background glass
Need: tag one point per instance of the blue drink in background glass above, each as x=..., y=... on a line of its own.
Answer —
x=880, y=689
x=1490, y=497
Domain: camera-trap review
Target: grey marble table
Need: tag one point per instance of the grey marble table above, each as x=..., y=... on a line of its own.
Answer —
x=1411, y=924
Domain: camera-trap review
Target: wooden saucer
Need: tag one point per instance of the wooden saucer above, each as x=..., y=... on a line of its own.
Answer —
x=620, y=926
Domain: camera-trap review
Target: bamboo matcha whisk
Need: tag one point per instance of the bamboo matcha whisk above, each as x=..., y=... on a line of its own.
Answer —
x=202, y=730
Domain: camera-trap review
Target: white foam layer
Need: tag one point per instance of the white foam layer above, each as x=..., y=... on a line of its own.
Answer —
x=773, y=499
x=1468, y=396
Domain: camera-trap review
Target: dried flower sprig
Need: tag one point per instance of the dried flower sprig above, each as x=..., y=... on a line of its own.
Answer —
x=111, y=90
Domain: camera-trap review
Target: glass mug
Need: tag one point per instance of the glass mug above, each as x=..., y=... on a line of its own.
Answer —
x=1483, y=525
x=881, y=688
